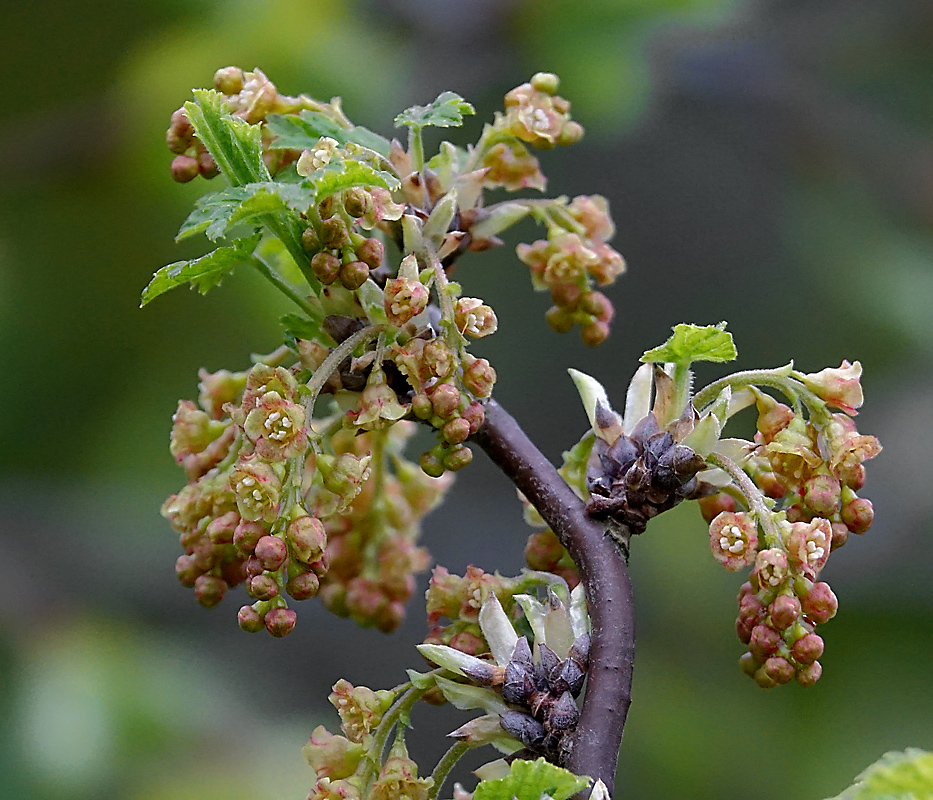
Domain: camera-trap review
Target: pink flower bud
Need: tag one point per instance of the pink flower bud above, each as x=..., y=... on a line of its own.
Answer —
x=822, y=494
x=353, y=274
x=445, y=399
x=764, y=642
x=810, y=674
x=478, y=376
x=714, y=505
x=456, y=430
x=246, y=535
x=221, y=529
x=303, y=586
x=773, y=416
x=184, y=169
x=820, y=604
x=858, y=515
x=307, y=538
x=784, y=611
x=780, y=670
x=250, y=620
x=263, y=587
x=186, y=570
x=468, y=643
x=326, y=267
x=332, y=756
x=807, y=648
x=458, y=457
x=271, y=552
x=209, y=590
x=839, y=387
x=280, y=621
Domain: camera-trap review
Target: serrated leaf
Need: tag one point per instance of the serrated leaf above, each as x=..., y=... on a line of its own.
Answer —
x=694, y=343
x=301, y=132
x=529, y=780
x=447, y=111
x=214, y=214
x=300, y=327
x=235, y=145
x=906, y=775
x=202, y=273
x=339, y=175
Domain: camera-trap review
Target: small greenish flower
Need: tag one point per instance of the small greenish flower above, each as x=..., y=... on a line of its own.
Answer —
x=257, y=488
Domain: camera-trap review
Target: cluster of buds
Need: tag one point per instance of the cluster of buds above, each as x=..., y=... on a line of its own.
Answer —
x=570, y=261
x=783, y=601
x=459, y=600
x=334, y=236
x=536, y=115
x=634, y=477
x=371, y=551
x=810, y=469
x=339, y=762
x=250, y=96
x=448, y=389
x=531, y=687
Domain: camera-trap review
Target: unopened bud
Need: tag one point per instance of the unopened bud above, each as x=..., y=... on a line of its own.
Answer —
x=354, y=274
x=431, y=465
x=263, y=587
x=810, y=674
x=250, y=620
x=184, y=169
x=445, y=400
x=458, y=458
x=371, y=252
x=764, y=642
x=209, y=590
x=595, y=333
x=807, y=648
x=271, y=552
x=858, y=515
x=546, y=82
x=310, y=241
x=784, y=611
x=280, y=621
x=303, y=586
x=820, y=604
x=229, y=80
x=334, y=234
x=780, y=670
x=326, y=267
x=456, y=431
x=357, y=201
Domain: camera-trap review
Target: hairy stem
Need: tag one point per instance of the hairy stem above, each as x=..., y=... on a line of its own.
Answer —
x=445, y=765
x=605, y=578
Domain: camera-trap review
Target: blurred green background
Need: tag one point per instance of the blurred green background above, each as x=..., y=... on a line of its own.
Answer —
x=767, y=163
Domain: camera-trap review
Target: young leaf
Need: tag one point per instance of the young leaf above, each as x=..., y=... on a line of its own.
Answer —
x=235, y=145
x=202, y=273
x=694, y=343
x=529, y=780
x=214, y=214
x=445, y=112
x=301, y=132
x=299, y=327
x=895, y=776
x=339, y=175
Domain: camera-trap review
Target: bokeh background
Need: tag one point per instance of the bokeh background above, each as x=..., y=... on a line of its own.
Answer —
x=767, y=163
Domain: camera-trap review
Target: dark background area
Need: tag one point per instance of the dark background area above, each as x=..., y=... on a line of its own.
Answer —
x=767, y=163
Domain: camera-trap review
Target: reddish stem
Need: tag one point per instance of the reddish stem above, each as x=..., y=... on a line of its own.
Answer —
x=605, y=579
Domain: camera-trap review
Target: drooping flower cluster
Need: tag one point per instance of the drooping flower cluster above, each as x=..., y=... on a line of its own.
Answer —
x=810, y=468
x=263, y=508
x=570, y=261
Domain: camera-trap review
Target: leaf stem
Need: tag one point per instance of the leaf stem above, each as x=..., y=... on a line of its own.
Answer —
x=445, y=765
x=752, y=494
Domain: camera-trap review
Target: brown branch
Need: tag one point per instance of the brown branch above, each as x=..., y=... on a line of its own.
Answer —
x=605, y=578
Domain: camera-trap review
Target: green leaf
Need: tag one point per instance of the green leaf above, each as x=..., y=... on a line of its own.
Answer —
x=216, y=213
x=301, y=132
x=235, y=145
x=529, y=780
x=445, y=112
x=202, y=273
x=694, y=343
x=338, y=175
x=300, y=327
x=420, y=680
x=904, y=775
